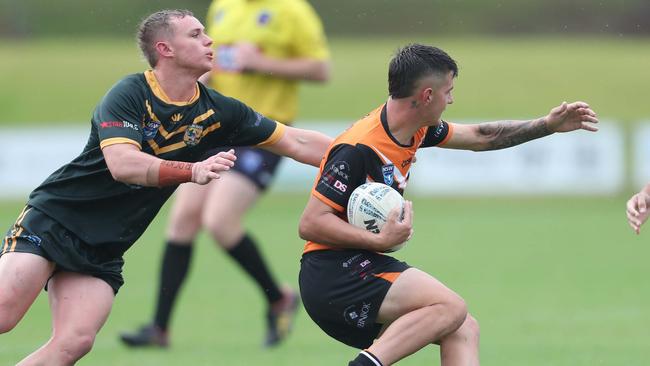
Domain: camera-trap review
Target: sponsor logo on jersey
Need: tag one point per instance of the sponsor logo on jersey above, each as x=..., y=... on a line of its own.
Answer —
x=341, y=169
x=150, y=129
x=193, y=135
x=407, y=162
x=387, y=171
x=439, y=130
x=340, y=186
x=264, y=17
x=118, y=124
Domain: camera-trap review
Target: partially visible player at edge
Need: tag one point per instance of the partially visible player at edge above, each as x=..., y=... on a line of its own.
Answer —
x=263, y=50
x=638, y=208
x=147, y=136
x=372, y=301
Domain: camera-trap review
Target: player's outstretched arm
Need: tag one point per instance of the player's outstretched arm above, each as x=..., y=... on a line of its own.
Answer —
x=305, y=146
x=637, y=209
x=503, y=134
x=320, y=223
x=128, y=164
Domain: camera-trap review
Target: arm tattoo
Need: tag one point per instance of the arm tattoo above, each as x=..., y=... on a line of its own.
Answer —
x=503, y=134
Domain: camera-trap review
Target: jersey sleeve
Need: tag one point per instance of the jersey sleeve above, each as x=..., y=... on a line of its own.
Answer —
x=439, y=135
x=343, y=171
x=308, y=36
x=248, y=128
x=118, y=117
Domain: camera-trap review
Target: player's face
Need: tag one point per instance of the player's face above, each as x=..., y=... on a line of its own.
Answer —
x=191, y=45
x=441, y=96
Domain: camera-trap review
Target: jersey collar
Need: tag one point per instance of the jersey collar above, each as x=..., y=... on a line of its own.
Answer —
x=160, y=93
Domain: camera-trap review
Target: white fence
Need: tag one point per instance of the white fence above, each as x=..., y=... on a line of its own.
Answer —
x=573, y=163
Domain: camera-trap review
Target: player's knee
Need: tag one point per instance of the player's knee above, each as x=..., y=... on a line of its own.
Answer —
x=7, y=323
x=75, y=346
x=456, y=312
x=470, y=329
x=8, y=317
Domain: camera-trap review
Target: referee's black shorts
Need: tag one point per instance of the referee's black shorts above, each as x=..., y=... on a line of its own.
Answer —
x=342, y=291
x=256, y=164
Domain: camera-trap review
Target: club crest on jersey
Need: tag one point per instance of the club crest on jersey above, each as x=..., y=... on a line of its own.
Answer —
x=150, y=129
x=193, y=135
x=387, y=171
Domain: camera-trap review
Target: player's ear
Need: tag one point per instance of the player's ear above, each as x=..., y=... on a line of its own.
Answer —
x=426, y=95
x=164, y=49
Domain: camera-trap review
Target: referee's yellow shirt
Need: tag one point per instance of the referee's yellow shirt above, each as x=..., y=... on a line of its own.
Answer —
x=281, y=29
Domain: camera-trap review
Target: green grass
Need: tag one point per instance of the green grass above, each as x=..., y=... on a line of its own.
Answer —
x=552, y=281
x=60, y=80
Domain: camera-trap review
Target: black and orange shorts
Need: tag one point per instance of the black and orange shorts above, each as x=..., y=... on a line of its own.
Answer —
x=35, y=232
x=342, y=291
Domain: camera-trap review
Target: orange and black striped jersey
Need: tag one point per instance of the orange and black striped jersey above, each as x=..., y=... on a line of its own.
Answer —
x=367, y=152
x=82, y=194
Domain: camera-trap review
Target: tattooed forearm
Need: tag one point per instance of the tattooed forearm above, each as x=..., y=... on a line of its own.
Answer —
x=503, y=134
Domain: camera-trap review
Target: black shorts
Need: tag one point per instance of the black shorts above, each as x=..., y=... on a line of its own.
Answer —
x=342, y=291
x=39, y=234
x=258, y=165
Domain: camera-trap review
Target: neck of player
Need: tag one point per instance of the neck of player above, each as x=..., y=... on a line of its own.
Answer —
x=178, y=84
x=403, y=120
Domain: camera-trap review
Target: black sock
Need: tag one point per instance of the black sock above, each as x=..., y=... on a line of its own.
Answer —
x=175, y=264
x=249, y=257
x=365, y=358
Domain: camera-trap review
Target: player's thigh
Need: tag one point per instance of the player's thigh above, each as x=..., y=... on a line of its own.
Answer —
x=415, y=289
x=185, y=215
x=228, y=200
x=80, y=304
x=22, y=276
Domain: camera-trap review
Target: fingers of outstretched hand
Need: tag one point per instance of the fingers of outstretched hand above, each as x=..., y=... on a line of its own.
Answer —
x=632, y=205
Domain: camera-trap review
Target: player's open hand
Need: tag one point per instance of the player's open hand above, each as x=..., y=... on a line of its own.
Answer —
x=570, y=117
x=396, y=231
x=205, y=171
x=637, y=210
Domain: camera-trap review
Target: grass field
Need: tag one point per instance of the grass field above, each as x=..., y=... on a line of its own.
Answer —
x=553, y=281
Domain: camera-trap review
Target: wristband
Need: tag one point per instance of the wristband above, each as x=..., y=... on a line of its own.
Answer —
x=174, y=172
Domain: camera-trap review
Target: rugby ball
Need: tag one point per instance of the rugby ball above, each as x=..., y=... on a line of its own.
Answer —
x=369, y=205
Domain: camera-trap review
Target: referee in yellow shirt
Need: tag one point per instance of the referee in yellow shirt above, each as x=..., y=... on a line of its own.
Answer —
x=264, y=48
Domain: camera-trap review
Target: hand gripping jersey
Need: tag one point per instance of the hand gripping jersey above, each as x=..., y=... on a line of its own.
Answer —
x=367, y=152
x=281, y=29
x=83, y=196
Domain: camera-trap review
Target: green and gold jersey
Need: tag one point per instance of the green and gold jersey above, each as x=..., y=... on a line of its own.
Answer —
x=281, y=29
x=83, y=196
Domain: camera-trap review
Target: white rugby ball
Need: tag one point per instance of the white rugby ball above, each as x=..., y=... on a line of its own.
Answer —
x=370, y=204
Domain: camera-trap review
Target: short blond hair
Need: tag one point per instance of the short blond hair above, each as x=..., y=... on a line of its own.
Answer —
x=152, y=27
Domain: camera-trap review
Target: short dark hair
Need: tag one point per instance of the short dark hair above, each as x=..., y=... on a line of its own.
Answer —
x=413, y=62
x=150, y=29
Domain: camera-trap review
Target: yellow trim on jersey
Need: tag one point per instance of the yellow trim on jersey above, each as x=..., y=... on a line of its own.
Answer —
x=160, y=93
x=119, y=140
x=203, y=117
x=179, y=145
x=161, y=150
x=152, y=115
x=215, y=126
x=275, y=136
